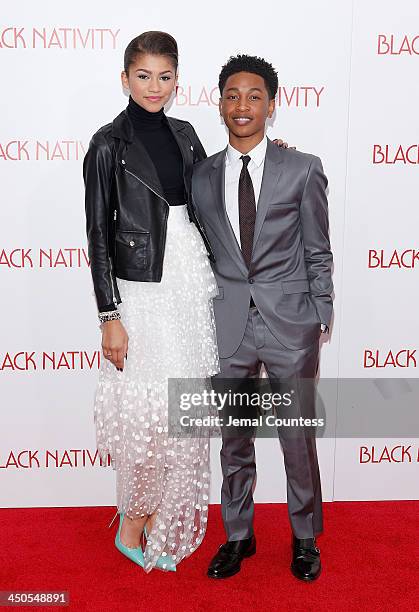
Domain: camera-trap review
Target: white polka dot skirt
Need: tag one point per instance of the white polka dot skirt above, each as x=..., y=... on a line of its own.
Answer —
x=171, y=332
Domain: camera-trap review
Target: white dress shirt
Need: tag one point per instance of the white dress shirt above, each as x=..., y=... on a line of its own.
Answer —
x=233, y=167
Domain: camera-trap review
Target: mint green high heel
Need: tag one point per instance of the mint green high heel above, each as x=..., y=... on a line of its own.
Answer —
x=163, y=562
x=134, y=554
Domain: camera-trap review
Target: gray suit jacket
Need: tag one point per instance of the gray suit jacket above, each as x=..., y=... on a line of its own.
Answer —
x=290, y=272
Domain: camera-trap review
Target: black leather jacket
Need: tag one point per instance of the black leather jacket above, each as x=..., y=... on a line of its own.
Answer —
x=126, y=212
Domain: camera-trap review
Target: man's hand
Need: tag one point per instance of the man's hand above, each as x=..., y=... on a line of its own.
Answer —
x=114, y=343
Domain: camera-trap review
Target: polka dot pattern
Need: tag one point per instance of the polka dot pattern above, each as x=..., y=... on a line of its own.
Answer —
x=171, y=333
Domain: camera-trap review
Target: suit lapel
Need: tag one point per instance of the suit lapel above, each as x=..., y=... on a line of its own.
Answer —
x=217, y=179
x=271, y=174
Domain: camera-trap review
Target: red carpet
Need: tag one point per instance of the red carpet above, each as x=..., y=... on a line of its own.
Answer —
x=369, y=554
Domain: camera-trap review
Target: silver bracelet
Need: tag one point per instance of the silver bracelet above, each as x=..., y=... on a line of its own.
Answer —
x=111, y=315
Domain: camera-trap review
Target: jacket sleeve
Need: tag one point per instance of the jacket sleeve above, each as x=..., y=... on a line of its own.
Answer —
x=97, y=175
x=199, y=154
x=315, y=229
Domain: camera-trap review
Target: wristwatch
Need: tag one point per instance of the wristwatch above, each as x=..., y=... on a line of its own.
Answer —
x=324, y=328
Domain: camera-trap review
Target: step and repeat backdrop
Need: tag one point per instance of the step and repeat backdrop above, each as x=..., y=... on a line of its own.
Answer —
x=349, y=93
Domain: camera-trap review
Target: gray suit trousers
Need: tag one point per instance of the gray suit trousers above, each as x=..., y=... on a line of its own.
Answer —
x=259, y=346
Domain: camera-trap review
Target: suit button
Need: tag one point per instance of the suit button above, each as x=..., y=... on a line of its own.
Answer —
x=251, y=281
x=131, y=243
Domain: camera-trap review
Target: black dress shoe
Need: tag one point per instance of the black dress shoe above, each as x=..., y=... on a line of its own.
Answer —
x=305, y=559
x=228, y=559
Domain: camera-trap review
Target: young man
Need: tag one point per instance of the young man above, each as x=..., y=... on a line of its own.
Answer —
x=265, y=212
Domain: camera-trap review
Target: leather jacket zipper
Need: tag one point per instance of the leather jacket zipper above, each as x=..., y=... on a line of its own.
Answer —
x=145, y=184
x=206, y=241
x=111, y=267
x=159, y=196
x=112, y=284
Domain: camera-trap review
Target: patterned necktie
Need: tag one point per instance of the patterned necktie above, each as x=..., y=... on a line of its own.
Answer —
x=247, y=211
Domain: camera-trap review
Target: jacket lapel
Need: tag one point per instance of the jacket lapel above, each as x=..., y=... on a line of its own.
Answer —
x=185, y=147
x=217, y=179
x=271, y=173
x=138, y=162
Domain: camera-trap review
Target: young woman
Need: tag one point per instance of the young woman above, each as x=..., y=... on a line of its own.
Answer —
x=154, y=288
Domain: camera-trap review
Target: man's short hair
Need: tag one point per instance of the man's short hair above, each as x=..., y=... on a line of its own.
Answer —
x=253, y=64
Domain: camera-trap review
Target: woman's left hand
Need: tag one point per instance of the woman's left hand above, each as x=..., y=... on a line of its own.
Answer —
x=281, y=143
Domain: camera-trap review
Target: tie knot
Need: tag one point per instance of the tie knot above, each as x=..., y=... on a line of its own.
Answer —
x=245, y=159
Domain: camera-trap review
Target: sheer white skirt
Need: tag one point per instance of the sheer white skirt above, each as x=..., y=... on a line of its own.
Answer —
x=171, y=332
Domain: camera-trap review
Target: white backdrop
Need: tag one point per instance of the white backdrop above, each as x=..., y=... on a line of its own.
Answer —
x=348, y=90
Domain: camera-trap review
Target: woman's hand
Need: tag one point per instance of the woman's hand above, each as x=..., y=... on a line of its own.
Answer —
x=114, y=342
x=280, y=143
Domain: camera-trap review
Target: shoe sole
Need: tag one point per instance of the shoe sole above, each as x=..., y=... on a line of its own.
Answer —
x=302, y=578
x=229, y=575
x=167, y=569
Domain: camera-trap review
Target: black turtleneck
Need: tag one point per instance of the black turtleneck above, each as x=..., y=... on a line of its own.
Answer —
x=153, y=130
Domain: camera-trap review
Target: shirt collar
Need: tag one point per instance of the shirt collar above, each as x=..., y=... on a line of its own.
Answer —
x=257, y=154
